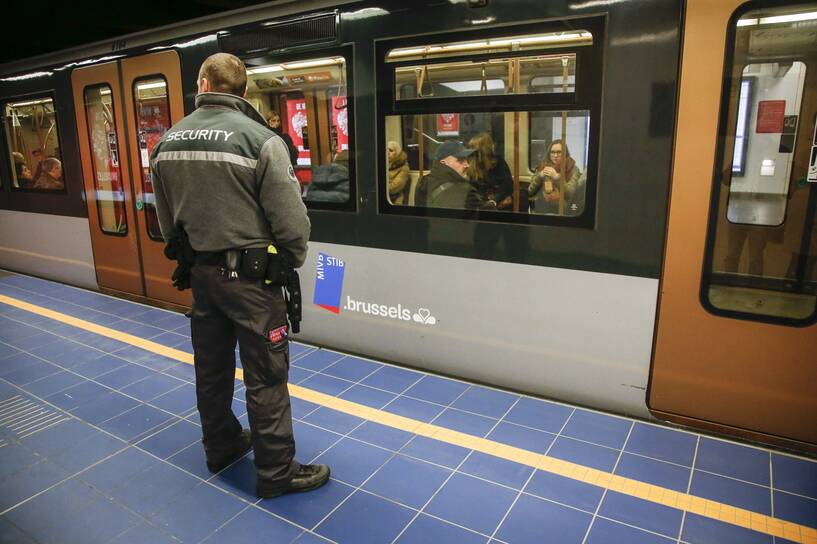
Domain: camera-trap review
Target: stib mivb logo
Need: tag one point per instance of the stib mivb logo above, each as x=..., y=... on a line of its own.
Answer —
x=329, y=274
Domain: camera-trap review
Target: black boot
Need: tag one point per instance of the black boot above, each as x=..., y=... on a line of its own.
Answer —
x=307, y=478
x=220, y=461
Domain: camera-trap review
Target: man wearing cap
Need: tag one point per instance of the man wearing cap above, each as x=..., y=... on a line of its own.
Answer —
x=447, y=185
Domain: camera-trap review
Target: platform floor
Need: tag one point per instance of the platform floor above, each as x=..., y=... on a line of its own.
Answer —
x=100, y=442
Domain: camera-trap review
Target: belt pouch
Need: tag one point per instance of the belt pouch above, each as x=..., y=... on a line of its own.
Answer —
x=276, y=270
x=254, y=263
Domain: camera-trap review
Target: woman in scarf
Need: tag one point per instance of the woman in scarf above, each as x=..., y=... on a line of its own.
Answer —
x=547, y=185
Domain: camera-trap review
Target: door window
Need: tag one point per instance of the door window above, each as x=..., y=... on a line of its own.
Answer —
x=104, y=145
x=152, y=121
x=762, y=243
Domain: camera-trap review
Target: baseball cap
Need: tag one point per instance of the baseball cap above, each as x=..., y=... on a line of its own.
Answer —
x=452, y=148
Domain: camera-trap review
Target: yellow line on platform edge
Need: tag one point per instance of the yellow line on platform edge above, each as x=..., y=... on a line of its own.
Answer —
x=653, y=493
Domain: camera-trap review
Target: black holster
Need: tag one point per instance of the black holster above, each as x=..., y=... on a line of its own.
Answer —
x=293, y=298
x=276, y=269
x=179, y=249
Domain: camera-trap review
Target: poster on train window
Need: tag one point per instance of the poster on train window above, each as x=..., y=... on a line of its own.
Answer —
x=297, y=129
x=812, y=165
x=770, y=116
x=448, y=124
x=340, y=122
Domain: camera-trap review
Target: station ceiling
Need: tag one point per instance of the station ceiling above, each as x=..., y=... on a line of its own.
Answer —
x=33, y=28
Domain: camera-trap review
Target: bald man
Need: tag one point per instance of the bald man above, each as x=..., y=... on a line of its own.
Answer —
x=225, y=178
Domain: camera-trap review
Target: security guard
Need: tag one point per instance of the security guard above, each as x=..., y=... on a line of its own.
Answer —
x=223, y=180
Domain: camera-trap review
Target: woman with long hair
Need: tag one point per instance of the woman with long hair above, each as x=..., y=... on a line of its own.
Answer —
x=274, y=122
x=547, y=185
x=490, y=173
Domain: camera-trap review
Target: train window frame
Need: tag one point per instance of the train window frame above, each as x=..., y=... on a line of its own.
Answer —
x=725, y=131
x=346, y=51
x=120, y=234
x=586, y=96
x=136, y=118
x=12, y=176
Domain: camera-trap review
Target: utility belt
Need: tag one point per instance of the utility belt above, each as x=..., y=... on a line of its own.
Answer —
x=263, y=263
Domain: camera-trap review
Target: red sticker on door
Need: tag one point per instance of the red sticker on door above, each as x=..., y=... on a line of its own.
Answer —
x=278, y=334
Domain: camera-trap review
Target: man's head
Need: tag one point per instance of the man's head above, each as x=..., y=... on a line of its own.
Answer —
x=454, y=155
x=52, y=167
x=223, y=73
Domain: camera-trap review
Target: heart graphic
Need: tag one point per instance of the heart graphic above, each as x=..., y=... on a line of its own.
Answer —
x=424, y=313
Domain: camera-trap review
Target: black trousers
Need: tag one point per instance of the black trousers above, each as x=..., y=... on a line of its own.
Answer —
x=246, y=311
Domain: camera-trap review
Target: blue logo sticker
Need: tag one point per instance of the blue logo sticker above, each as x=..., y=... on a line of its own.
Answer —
x=329, y=282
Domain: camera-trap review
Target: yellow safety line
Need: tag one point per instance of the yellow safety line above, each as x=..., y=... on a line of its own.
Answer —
x=653, y=493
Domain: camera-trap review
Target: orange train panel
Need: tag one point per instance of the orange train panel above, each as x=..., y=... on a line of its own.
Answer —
x=116, y=256
x=157, y=268
x=731, y=373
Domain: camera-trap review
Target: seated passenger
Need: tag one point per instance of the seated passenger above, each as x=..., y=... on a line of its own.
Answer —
x=21, y=170
x=330, y=182
x=447, y=184
x=24, y=178
x=490, y=173
x=399, y=179
x=51, y=177
x=546, y=186
x=274, y=122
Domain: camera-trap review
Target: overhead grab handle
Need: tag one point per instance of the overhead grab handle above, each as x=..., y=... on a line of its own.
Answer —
x=424, y=86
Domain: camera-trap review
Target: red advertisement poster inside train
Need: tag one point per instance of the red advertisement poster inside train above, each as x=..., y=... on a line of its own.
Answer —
x=297, y=129
x=340, y=122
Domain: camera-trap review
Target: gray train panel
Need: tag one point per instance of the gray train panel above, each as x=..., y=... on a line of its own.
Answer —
x=51, y=246
x=574, y=335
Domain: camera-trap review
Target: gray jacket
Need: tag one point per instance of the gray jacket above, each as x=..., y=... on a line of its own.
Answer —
x=226, y=178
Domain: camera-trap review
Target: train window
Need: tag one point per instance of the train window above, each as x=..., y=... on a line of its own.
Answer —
x=32, y=136
x=152, y=121
x=104, y=145
x=498, y=127
x=305, y=102
x=546, y=73
x=762, y=243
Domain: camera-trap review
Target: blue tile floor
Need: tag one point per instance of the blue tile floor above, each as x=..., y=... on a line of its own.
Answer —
x=99, y=442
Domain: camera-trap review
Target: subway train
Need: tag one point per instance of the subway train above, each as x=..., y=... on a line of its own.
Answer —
x=651, y=250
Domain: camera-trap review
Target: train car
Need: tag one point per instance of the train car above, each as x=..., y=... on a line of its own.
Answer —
x=650, y=249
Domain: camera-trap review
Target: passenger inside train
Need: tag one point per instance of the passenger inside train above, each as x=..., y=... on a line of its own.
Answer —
x=489, y=172
x=399, y=178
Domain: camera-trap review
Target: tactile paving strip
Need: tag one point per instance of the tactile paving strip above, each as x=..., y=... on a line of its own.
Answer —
x=21, y=418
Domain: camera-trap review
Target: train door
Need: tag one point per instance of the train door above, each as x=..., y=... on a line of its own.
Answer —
x=122, y=109
x=152, y=88
x=98, y=105
x=736, y=336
